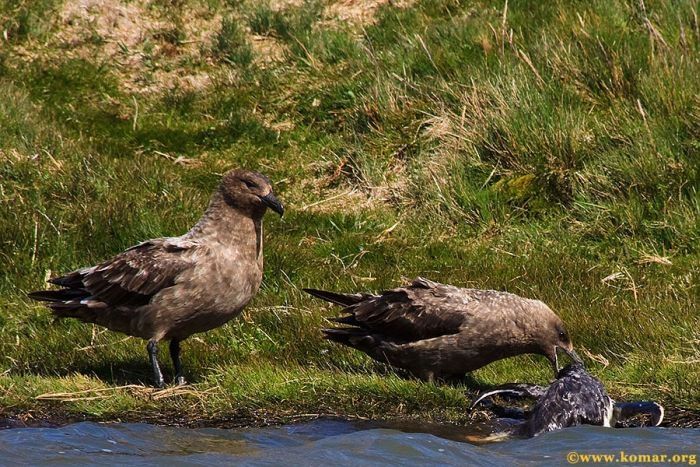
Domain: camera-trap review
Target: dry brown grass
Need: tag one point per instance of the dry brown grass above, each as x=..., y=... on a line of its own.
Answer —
x=148, y=47
x=359, y=12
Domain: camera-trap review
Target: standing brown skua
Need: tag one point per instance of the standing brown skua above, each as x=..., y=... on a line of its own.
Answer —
x=170, y=288
x=441, y=331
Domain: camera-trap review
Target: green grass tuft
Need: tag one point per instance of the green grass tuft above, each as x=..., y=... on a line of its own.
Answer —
x=232, y=44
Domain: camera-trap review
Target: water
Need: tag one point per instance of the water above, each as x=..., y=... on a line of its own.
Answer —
x=324, y=442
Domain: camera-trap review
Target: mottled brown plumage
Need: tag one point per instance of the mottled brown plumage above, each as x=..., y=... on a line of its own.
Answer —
x=170, y=288
x=441, y=331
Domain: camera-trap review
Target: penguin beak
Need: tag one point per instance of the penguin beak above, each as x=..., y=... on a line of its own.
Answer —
x=555, y=361
x=271, y=201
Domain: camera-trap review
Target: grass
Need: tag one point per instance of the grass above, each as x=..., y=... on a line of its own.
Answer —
x=231, y=44
x=548, y=151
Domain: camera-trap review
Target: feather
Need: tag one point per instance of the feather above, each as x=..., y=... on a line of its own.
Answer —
x=336, y=298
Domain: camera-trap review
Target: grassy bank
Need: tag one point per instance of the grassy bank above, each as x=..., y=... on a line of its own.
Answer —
x=552, y=151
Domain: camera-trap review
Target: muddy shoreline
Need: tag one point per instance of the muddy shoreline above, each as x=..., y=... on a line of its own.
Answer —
x=673, y=418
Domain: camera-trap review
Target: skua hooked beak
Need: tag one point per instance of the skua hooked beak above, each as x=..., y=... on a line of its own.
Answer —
x=571, y=353
x=271, y=201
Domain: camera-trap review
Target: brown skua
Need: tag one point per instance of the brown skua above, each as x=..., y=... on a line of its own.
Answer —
x=170, y=288
x=441, y=331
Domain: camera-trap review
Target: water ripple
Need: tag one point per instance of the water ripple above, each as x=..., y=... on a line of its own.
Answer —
x=320, y=442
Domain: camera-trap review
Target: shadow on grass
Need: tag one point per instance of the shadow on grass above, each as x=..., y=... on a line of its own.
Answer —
x=120, y=372
x=468, y=381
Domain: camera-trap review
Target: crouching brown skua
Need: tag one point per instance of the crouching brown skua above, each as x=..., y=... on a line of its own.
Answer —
x=575, y=398
x=441, y=331
x=170, y=288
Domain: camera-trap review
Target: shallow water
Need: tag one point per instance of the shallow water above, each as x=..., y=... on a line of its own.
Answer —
x=325, y=442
